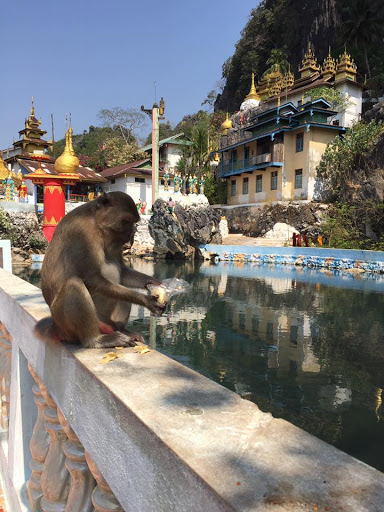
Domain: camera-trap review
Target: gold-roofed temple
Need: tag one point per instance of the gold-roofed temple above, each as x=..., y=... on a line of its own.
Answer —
x=345, y=67
x=328, y=68
x=309, y=64
x=271, y=149
x=274, y=82
x=31, y=137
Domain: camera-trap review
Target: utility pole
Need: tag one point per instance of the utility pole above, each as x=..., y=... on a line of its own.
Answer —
x=157, y=113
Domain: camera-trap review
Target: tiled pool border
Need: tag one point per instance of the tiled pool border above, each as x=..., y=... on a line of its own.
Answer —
x=346, y=259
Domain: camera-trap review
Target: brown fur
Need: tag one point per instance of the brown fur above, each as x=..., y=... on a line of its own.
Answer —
x=84, y=280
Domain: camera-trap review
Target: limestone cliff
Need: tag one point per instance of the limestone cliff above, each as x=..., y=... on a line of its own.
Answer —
x=285, y=24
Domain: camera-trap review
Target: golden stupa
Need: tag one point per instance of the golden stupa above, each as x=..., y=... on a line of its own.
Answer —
x=67, y=163
x=3, y=169
x=226, y=125
x=252, y=95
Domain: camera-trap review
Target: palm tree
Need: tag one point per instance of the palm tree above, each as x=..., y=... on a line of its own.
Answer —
x=278, y=61
x=363, y=25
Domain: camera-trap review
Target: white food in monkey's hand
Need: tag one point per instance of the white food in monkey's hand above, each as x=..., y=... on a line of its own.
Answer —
x=160, y=292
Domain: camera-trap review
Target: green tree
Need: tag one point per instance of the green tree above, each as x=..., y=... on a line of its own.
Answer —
x=336, y=98
x=165, y=131
x=278, y=61
x=117, y=152
x=339, y=169
x=127, y=120
x=363, y=25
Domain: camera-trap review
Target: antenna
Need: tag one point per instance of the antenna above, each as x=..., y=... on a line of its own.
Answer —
x=53, y=136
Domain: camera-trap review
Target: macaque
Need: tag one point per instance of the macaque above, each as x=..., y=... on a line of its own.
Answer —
x=85, y=282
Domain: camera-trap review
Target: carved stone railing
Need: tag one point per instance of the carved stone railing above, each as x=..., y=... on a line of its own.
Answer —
x=145, y=434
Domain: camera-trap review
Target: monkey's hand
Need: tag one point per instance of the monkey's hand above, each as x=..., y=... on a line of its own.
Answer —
x=157, y=301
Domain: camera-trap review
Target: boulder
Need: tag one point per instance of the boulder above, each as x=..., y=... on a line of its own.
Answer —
x=179, y=234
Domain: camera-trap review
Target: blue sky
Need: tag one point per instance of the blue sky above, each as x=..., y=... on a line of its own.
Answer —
x=82, y=56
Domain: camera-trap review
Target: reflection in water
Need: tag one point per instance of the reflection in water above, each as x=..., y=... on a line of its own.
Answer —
x=303, y=344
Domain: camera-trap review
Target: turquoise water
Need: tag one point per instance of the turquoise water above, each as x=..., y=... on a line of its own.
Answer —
x=305, y=345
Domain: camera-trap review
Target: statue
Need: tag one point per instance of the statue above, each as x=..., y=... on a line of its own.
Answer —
x=23, y=192
x=190, y=184
x=10, y=189
x=194, y=184
x=166, y=181
x=176, y=183
x=201, y=185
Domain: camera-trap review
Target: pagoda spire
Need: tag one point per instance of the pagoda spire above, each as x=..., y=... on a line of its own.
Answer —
x=67, y=163
x=32, y=109
x=252, y=95
x=309, y=64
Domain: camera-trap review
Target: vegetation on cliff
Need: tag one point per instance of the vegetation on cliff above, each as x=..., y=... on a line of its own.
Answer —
x=280, y=30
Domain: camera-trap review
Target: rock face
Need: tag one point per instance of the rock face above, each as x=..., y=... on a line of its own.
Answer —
x=143, y=243
x=25, y=233
x=257, y=221
x=178, y=234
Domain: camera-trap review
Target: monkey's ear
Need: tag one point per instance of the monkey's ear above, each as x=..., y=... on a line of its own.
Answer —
x=103, y=200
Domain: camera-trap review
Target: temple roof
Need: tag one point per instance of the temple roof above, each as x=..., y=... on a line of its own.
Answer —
x=85, y=173
x=136, y=168
x=179, y=138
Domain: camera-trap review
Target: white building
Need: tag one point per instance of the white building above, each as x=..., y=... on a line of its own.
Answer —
x=134, y=179
x=170, y=150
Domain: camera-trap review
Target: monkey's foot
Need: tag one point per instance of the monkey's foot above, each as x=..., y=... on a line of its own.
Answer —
x=135, y=337
x=116, y=339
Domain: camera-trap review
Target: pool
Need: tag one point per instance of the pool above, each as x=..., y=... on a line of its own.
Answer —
x=306, y=345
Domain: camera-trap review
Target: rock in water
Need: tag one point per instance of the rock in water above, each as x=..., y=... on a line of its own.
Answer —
x=179, y=234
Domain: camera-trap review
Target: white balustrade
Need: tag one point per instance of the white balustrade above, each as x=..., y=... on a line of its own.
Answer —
x=55, y=476
x=146, y=434
x=39, y=447
x=103, y=498
x=82, y=481
x=5, y=374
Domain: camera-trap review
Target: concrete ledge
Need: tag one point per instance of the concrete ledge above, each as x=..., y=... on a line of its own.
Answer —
x=168, y=439
x=18, y=207
x=369, y=261
x=5, y=255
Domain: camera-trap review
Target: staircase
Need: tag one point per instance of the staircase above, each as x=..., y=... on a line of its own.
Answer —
x=257, y=242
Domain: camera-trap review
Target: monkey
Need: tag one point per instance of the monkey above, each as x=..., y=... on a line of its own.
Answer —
x=84, y=280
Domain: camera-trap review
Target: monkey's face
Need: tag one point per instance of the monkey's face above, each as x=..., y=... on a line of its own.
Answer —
x=116, y=212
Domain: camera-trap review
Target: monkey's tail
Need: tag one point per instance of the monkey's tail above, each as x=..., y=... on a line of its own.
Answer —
x=45, y=329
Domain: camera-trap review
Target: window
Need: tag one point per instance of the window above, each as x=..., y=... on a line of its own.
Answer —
x=245, y=186
x=259, y=183
x=233, y=187
x=246, y=155
x=162, y=182
x=269, y=331
x=242, y=320
x=299, y=178
x=139, y=180
x=234, y=156
x=274, y=180
x=299, y=142
x=255, y=324
x=113, y=181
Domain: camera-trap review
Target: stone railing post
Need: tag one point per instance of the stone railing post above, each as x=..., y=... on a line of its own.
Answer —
x=5, y=375
x=39, y=447
x=103, y=498
x=55, y=476
x=82, y=481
